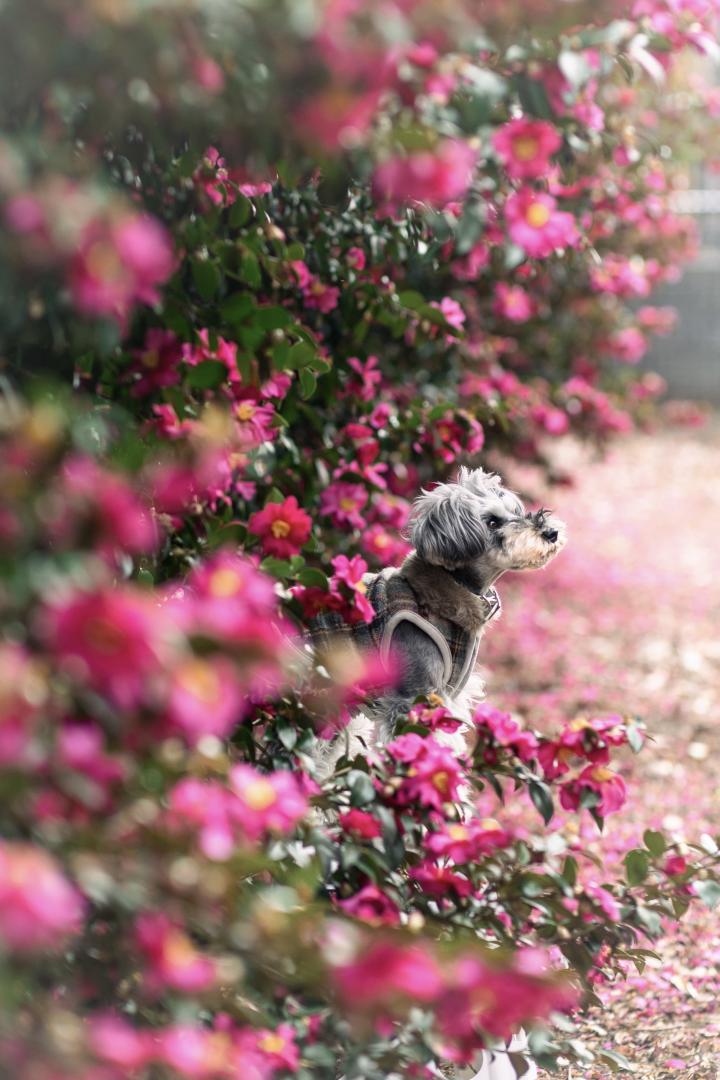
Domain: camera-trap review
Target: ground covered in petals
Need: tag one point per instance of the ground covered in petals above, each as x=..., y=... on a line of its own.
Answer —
x=629, y=617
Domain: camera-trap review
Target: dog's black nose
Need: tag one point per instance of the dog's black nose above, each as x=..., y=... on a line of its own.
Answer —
x=550, y=535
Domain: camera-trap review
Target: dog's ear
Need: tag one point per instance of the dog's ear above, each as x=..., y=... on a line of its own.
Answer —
x=446, y=526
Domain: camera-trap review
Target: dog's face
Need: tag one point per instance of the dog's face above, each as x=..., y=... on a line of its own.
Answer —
x=477, y=521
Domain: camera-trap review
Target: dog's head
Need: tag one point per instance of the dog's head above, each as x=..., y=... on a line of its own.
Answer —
x=477, y=521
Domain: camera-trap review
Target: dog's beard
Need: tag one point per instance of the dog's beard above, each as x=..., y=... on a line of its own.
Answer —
x=525, y=549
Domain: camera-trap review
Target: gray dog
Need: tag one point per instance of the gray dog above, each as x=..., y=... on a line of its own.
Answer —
x=431, y=611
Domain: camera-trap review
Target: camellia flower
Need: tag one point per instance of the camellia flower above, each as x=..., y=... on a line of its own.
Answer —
x=387, y=547
x=39, y=907
x=283, y=527
x=537, y=226
x=360, y=824
x=371, y=905
x=525, y=147
x=171, y=958
x=351, y=572
x=271, y=802
x=254, y=421
x=120, y=263
x=434, y=176
x=608, y=785
x=109, y=638
x=513, y=303
x=278, y=1047
x=385, y=971
x=157, y=363
x=104, y=502
x=205, y=697
x=433, y=775
x=439, y=881
x=468, y=841
x=343, y=502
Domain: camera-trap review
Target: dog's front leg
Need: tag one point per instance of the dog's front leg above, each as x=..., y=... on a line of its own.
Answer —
x=422, y=671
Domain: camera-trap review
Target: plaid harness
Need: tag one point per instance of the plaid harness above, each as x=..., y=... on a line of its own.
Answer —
x=396, y=600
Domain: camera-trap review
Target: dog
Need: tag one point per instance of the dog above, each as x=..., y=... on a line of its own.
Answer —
x=431, y=612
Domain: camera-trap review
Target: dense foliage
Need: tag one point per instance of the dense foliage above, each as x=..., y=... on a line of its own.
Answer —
x=301, y=259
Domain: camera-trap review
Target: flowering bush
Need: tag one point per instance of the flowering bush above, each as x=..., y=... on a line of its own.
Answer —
x=300, y=268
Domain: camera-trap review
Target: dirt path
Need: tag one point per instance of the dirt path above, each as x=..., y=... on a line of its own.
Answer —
x=628, y=619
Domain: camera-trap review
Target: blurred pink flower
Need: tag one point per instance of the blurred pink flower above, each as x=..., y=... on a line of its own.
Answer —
x=205, y=697
x=39, y=907
x=371, y=905
x=118, y=264
x=526, y=146
x=537, y=226
x=386, y=970
x=434, y=176
x=343, y=502
x=110, y=639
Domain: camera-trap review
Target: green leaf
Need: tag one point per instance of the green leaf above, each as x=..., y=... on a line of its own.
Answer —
x=308, y=383
x=272, y=318
x=206, y=277
x=250, y=269
x=237, y=307
x=412, y=300
x=207, y=375
x=279, y=568
x=287, y=733
x=275, y=495
x=617, y=1062
x=570, y=869
x=637, y=866
x=709, y=892
x=313, y=578
x=241, y=211
x=362, y=789
x=655, y=842
x=300, y=355
x=542, y=799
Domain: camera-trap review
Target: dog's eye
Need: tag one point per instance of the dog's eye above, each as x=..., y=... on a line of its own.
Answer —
x=494, y=522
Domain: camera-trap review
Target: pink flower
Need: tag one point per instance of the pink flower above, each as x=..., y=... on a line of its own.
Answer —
x=604, y=900
x=229, y=599
x=39, y=908
x=628, y=345
x=100, y=501
x=343, y=502
x=254, y=423
x=116, y=1041
x=468, y=841
x=369, y=378
x=110, y=639
x=350, y=572
x=433, y=776
x=433, y=176
x=388, y=548
x=675, y=865
x=19, y=688
x=360, y=824
x=266, y=802
x=513, y=303
x=172, y=960
x=386, y=970
x=471, y=265
x=506, y=731
x=607, y=787
x=224, y=351
x=119, y=264
x=356, y=258
x=205, y=697
x=283, y=527
x=372, y=906
x=156, y=363
x=440, y=881
x=278, y=1047
x=452, y=312
x=526, y=146
x=537, y=226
